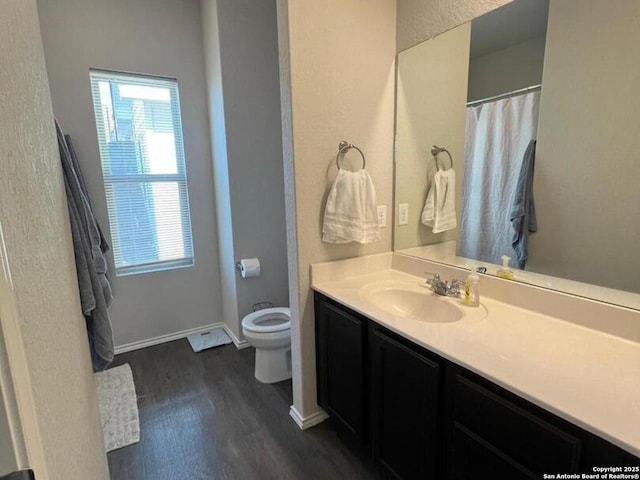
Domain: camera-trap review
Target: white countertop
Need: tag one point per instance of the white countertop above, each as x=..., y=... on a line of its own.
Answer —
x=585, y=376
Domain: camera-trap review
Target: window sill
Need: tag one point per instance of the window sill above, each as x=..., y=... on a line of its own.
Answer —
x=155, y=267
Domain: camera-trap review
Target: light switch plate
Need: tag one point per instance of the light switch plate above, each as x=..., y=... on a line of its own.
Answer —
x=403, y=214
x=382, y=216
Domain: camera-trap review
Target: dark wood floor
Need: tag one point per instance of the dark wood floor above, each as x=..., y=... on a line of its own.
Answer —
x=204, y=416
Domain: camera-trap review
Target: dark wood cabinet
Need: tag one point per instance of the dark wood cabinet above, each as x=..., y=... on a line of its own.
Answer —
x=597, y=452
x=472, y=457
x=405, y=396
x=340, y=357
x=494, y=427
x=425, y=417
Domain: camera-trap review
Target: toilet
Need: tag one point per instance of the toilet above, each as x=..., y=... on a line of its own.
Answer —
x=269, y=331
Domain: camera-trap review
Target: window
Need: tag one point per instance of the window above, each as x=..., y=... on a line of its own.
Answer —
x=142, y=154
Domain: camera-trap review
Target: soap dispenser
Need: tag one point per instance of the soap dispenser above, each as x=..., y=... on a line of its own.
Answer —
x=505, y=271
x=472, y=290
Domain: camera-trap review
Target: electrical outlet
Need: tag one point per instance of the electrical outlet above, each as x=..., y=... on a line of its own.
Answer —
x=403, y=214
x=382, y=216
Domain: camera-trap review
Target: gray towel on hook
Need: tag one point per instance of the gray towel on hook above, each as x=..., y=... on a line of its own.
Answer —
x=523, y=209
x=91, y=264
x=104, y=245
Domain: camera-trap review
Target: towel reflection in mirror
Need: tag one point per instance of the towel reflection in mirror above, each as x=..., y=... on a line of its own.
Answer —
x=439, y=210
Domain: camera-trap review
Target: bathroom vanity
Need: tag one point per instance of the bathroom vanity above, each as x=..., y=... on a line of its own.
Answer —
x=434, y=389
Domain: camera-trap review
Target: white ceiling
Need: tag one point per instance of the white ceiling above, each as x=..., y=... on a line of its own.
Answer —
x=508, y=25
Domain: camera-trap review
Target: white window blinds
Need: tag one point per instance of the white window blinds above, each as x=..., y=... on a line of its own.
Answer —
x=143, y=167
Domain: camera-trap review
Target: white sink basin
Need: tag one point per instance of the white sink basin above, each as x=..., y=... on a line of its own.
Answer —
x=417, y=302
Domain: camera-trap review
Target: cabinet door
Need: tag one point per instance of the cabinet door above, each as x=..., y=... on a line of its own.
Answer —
x=405, y=409
x=341, y=369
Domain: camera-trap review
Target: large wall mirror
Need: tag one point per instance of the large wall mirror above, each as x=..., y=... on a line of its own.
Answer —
x=535, y=110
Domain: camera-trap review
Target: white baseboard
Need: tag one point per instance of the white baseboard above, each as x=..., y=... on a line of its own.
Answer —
x=170, y=337
x=240, y=344
x=309, y=421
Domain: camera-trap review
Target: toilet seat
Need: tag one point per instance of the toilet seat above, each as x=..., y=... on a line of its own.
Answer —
x=268, y=320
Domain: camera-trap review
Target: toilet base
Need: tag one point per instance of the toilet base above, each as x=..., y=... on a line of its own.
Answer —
x=273, y=365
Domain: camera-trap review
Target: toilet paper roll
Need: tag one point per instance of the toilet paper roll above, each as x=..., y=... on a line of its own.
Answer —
x=249, y=267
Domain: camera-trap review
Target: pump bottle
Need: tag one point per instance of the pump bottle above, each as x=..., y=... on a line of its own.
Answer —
x=505, y=271
x=472, y=290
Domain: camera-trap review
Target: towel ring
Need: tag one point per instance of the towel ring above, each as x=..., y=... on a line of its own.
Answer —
x=344, y=147
x=435, y=150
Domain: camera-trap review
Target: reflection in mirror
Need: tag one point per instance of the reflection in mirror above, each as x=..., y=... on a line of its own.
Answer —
x=505, y=75
x=537, y=103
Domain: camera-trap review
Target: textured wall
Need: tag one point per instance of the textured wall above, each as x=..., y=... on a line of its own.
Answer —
x=419, y=20
x=341, y=75
x=587, y=168
x=64, y=437
x=430, y=110
x=160, y=37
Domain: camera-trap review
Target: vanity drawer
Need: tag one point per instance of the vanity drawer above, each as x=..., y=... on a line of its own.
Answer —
x=524, y=436
x=473, y=457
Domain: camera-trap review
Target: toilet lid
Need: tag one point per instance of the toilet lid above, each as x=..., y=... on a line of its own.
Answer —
x=268, y=320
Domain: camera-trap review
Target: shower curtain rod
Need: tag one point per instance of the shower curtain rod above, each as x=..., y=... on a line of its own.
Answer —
x=505, y=95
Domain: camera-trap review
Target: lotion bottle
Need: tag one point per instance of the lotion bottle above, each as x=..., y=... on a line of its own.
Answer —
x=472, y=290
x=505, y=271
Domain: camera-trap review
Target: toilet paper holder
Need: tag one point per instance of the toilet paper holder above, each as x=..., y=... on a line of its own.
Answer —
x=248, y=267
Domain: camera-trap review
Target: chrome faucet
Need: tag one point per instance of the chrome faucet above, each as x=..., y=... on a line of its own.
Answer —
x=447, y=289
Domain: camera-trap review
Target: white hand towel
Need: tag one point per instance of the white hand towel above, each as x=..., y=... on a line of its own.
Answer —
x=351, y=213
x=429, y=210
x=440, y=206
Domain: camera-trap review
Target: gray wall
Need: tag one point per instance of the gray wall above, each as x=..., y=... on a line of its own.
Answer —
x=587, y=164
x=506, y=70
x=161, y=37
x=241, y=45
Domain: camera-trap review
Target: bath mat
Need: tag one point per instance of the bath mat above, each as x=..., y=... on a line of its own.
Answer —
x=118, y=405
x=212, y=338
